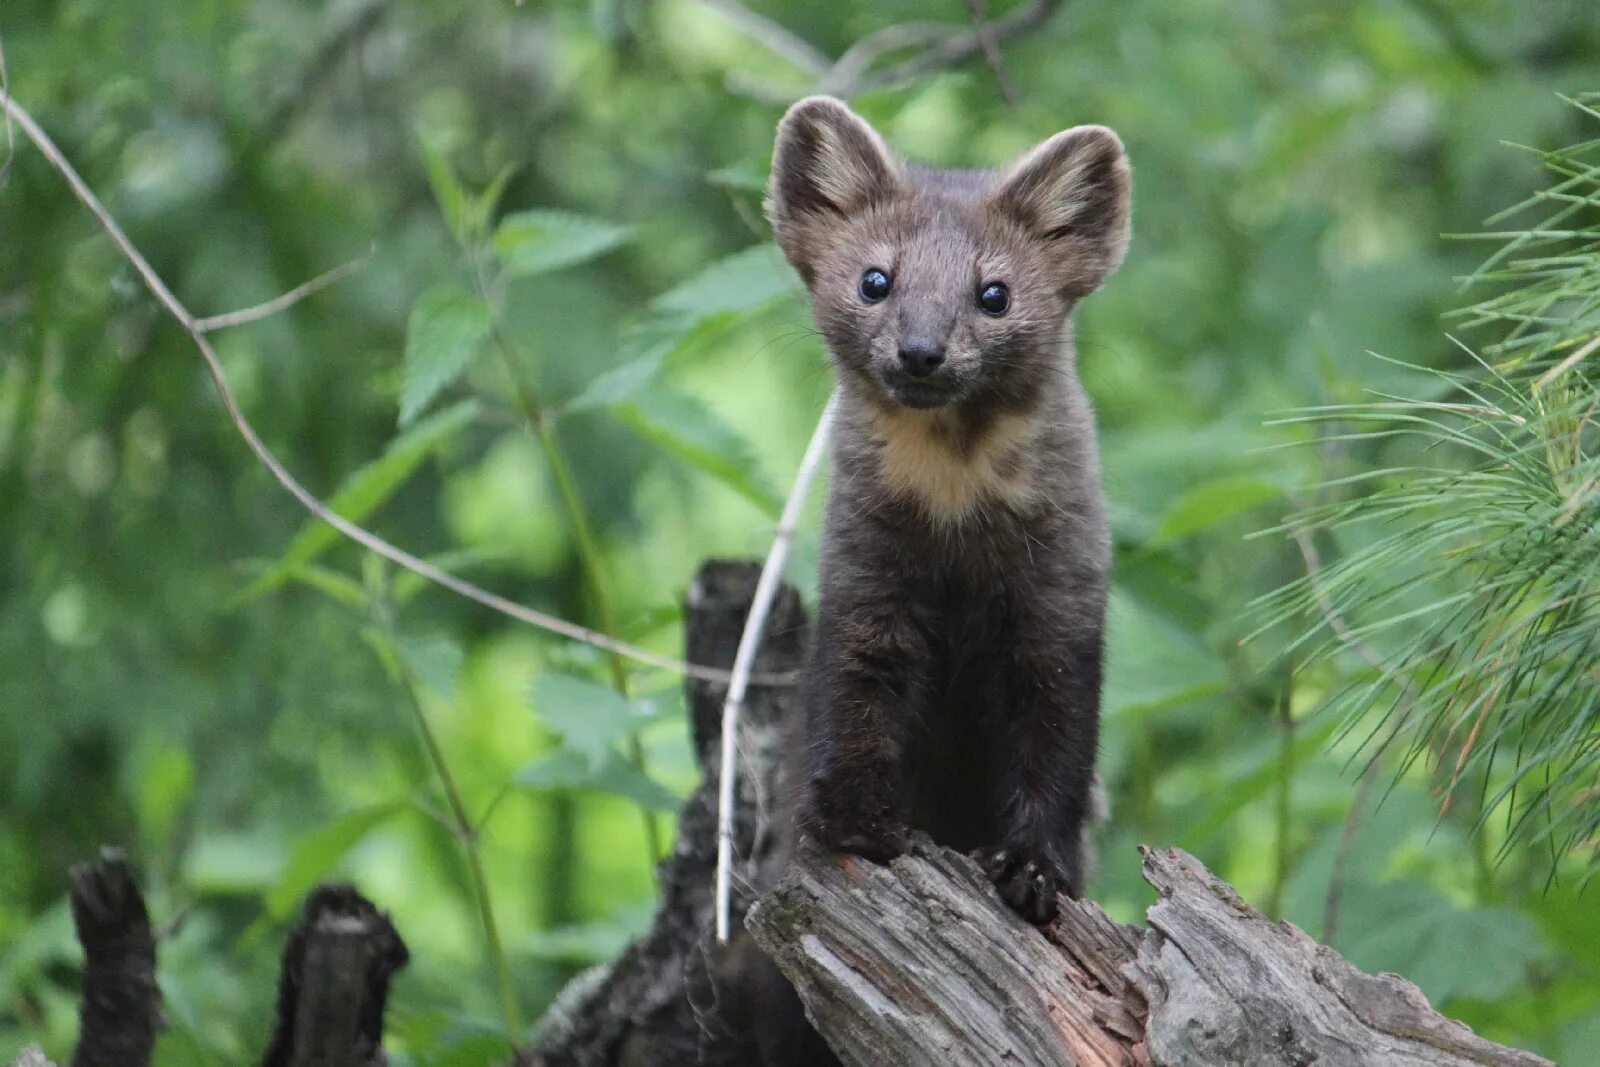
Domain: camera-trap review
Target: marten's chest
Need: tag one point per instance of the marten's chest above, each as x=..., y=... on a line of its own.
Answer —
x=952, y=470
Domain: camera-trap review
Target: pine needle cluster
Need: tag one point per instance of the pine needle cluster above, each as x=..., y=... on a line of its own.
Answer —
x=1462, y=612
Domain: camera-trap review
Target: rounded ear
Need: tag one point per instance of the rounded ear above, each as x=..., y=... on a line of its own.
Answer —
x=827, y=162
x=1074, y=191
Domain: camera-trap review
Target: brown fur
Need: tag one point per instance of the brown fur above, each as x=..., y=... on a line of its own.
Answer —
x=954, y=680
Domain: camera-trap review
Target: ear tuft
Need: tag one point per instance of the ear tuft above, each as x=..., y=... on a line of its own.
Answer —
x=826, y=161
x=1075, y=191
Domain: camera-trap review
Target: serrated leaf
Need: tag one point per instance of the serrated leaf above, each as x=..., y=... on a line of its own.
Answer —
x=694, y=433
x=645, y=353
x=435, y=659
x=534, y=242
x=590, y=717
x=315, y=856
x=363, y=492
x=454, y=203
x=1212, y=503
x=567, y=768
x=1414, y=930
x=742, y=282
x=446, y=329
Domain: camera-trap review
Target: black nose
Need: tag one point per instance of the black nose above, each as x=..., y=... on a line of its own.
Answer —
x=921, y=356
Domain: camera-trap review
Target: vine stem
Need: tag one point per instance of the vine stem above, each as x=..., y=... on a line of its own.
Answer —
x=1283, y=804
x=196, y=329
x=755, y=625
x=589, y=558
x=466, y=832
x=594, y=576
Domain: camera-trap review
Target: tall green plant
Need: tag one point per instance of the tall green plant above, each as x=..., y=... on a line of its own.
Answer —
x=1469, y=577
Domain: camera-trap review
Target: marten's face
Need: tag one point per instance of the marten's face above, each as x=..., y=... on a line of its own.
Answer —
x=934, y=287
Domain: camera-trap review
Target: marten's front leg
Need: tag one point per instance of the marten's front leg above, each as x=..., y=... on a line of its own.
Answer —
x=1048, y=712
x=864, y=669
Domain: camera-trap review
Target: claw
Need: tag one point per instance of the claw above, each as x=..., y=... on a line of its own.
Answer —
x=1029, y=885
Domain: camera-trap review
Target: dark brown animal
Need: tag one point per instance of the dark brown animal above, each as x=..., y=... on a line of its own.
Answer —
x=954, y=683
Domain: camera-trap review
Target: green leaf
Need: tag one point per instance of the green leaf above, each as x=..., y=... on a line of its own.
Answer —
x=331, y=584
x=533, y=242
x=1412, y=929
x=1212, y=503
x=742, y=282
x=363, y=492
x=454, y=201
x=316, y=855
x=568, y=768
x=435, y=659
x=165, y=786
x=645, y=354
x=445, y=331
x=589, y=717
x=694, y=433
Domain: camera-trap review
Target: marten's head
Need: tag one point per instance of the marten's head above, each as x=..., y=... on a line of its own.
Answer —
x=932, y=287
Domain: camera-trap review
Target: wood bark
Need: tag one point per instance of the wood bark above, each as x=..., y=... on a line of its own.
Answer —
x=670, y=1000
x=919, y=962
x=334, y=984
x=120, y=1014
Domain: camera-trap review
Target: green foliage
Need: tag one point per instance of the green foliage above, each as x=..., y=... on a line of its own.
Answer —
x=446, y=330
x=363, y=493
x=533, y=242
x=571, y=300
x=1411, y=928
x=685, y=427
x=1472, y=554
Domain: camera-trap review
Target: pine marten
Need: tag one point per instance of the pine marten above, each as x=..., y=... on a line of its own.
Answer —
x=953, y=686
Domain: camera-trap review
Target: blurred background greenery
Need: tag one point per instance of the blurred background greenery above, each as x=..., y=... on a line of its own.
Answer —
x=558, y=208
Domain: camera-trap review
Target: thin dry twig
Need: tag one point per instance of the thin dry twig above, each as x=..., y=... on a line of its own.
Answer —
x=284, y=302
x=1567, y=364
x=11, y=134
x=991, y=52
x=856, y=60
x=1349, y=833
x=941, y=46
x=755, y=626
x=361, y=536
x=778, y=39
x=1335, y=620
x=958, y=48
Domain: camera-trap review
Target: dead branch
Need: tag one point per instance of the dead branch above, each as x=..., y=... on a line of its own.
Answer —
x=120, y=1014
x=283, y=302
x=920, y=962
x=667, y=1001
x=334, y=984
x=938, y=46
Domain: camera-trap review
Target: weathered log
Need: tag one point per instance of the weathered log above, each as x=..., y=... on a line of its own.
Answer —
x=1225, y=985
x=663, y=1002
x=120, y=1014
x=920, y=962
x=334, y=984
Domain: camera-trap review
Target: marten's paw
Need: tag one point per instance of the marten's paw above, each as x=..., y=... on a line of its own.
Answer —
x=1027, y=881
x=869, y=826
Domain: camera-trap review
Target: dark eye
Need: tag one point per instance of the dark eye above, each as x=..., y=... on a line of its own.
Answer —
x=994, y=299
x=874, y=285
